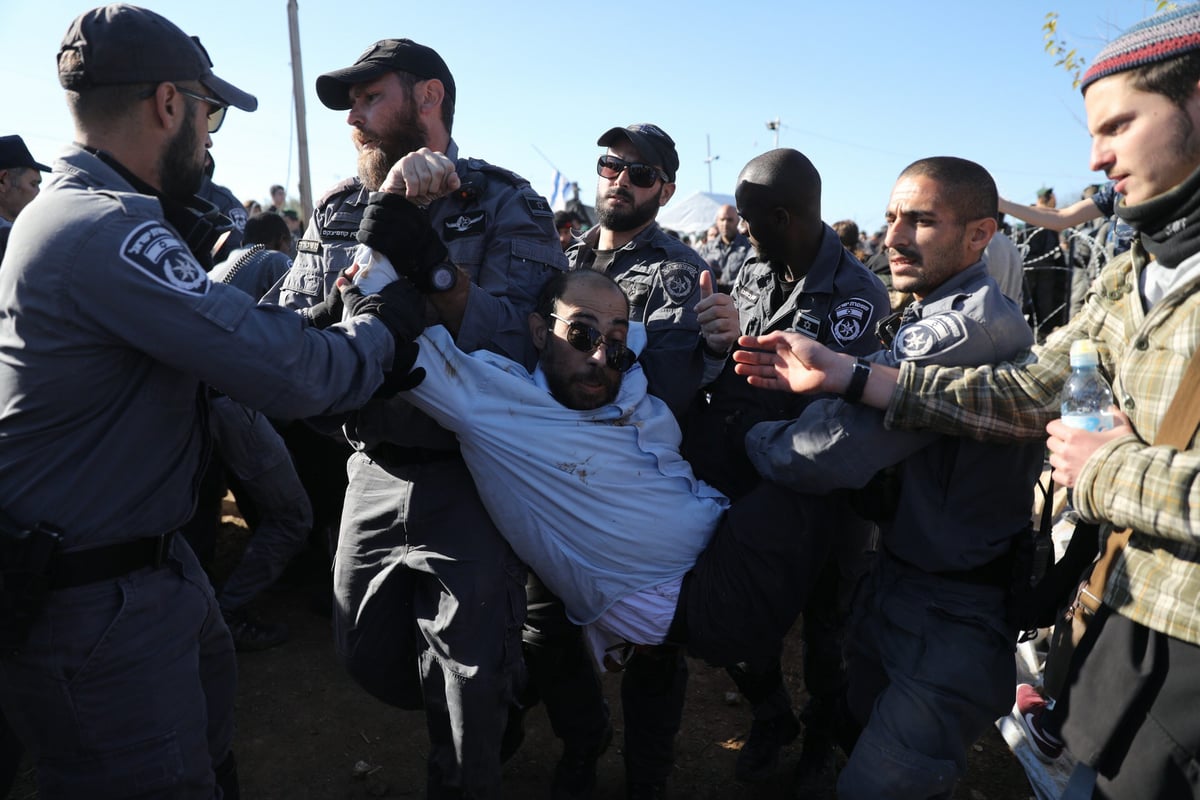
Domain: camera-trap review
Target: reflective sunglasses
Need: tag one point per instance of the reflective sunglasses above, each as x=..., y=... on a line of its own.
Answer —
x=216, y=116
x=587, y=339
x=642, y=175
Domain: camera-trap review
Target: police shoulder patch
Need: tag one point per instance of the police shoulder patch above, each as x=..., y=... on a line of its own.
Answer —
x=537, y=205
x=848, y=319
x=679, y=280
x=155, y=250
x=927, y=337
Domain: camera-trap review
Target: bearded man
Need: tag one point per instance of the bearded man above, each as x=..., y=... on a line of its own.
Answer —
x=429, y=599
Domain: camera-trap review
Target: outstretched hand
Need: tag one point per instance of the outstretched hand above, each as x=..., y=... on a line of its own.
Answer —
x=790, y=361
x=719, y=324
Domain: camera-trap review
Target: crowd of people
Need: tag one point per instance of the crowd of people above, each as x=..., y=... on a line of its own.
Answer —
x=536, y=447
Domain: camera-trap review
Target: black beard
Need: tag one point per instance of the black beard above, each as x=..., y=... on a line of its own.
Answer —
x=626, y=219
x=404, y=135
x=178, y=171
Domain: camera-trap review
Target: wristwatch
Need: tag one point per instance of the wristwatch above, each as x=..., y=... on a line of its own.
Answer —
x=858, y=381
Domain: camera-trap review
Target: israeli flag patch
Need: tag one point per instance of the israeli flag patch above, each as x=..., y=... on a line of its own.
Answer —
x=155, y=250
x=927, y=337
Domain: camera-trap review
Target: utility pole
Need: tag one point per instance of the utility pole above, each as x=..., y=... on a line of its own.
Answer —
x=711, y=158
x=775, y=125
x=301, y=125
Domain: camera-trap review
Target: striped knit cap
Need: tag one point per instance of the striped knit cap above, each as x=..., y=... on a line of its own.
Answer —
x=1159, y=38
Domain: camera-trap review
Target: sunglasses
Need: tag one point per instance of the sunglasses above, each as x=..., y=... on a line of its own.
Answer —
x=641, y=175
x=587, y=339
x=216, y=116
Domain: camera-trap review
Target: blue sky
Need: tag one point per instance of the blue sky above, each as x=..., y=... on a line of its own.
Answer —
x=862, y=88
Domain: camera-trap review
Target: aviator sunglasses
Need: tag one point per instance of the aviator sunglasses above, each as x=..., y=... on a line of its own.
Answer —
x=586, y=339
x=641, y=175
x=217, y=108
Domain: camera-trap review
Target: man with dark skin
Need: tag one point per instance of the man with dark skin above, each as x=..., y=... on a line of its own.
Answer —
x=801, y=279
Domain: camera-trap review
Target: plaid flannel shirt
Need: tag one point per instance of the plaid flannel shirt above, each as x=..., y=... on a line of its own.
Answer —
x=1127, y=482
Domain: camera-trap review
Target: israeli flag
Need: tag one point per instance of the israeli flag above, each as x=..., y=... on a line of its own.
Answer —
x=558, y=194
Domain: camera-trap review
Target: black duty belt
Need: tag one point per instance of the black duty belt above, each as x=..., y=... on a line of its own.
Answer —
x=82, y=567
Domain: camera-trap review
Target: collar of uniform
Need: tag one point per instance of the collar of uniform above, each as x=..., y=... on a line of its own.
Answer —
x=644, y=237
x=962, y=283
x=93, y=170
x=830, y=253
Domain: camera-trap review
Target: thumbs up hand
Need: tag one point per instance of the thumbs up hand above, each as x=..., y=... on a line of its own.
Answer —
x=719, y=324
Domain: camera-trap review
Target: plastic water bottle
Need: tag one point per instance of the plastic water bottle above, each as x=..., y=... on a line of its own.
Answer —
x=1086, y=397
x=375, y=271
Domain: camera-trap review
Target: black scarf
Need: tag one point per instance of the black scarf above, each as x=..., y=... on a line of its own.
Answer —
x=1170, y=223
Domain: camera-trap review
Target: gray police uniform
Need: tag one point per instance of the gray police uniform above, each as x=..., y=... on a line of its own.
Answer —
x=228, y=204
x=837, y=303
x=661, y=277
x=253, y=269
x=929, y=652
x=727, y=260
x=429, y=596
x=108, y=326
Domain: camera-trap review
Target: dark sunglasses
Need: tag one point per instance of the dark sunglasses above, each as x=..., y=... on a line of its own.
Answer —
x=216, y=116
x=642, y=175
x=587, y=339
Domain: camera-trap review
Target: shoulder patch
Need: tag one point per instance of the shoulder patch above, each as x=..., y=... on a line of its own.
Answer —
x=679, y=281
x=237, y=215
x=848, y=319
x=926, y=337
x=312, y=246
x=808, y=324
x=538, y=206
x=465, y=224
x=156, y=251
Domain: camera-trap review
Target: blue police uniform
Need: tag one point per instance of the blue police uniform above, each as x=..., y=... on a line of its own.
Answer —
x=228, y=204
x=929, y=650
x=429, y=596
x=108, y=327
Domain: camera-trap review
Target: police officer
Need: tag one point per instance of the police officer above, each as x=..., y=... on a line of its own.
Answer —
x=801, y=279
x=228, y=204
x=727, y=253
x=429, y=597
x=929, y=650
x=110, y=325
x=20, y=180
x=689, y=331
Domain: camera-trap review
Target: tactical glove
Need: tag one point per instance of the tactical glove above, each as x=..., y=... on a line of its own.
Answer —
x=399, y=230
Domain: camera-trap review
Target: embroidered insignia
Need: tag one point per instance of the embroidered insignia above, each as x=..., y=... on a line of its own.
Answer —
x=464, y=225
x=807, y=324
x=928, y=336
x=849, y=320
x=679, y=281
x=538, y=206
x=237, y=215
x=309, y=246
x=155, y=250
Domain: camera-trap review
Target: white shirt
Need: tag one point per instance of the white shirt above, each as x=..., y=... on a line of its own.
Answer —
x=598, y=503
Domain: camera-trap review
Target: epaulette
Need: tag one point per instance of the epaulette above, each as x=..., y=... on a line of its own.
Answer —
x=508, y=176
x=341, y=187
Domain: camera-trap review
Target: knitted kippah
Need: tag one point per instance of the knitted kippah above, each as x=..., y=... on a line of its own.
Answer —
x=1159, y=38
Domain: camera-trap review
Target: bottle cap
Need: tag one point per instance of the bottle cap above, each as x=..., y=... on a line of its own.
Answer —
x=1083, y=353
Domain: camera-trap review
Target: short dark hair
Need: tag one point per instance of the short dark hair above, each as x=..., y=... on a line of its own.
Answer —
x=409, y=82
x=265, y=228
x=101, y=105
x=553, y=290
x=847, y=231
x=1175, y=78
x=968, y=187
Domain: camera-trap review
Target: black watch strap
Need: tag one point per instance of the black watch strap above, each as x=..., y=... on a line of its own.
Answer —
x=858, y=381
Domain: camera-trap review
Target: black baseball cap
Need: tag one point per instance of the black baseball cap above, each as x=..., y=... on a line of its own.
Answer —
x=14, y=153
x=386, y=55
x=651, y=142
x=119, y=44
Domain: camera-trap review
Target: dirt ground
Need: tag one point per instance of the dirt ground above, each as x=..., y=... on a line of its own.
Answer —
x=306, y=732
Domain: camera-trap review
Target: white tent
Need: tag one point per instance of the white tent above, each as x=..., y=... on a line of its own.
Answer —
x=693, y=214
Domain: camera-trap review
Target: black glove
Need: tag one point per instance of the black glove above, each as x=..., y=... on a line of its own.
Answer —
x=398, y=305
x=399, y=230
x=327, y=312
x=402, y=376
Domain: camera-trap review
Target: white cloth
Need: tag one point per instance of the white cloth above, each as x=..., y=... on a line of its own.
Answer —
x=598, y=503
